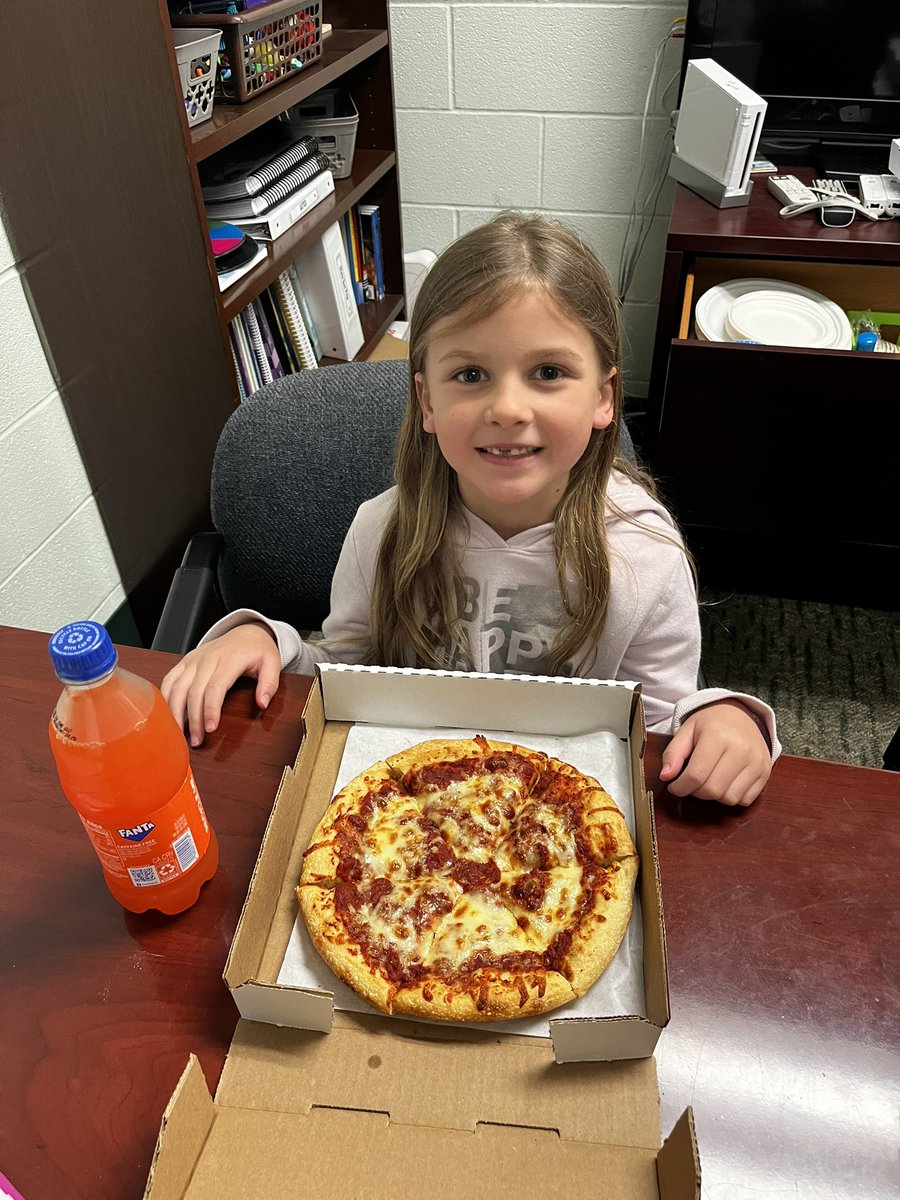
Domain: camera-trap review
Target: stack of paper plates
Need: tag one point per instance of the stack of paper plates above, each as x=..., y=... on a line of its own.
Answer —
x=772, y=312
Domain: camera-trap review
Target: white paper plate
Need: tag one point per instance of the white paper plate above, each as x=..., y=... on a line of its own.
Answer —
x=715, y=304
x=782, y=319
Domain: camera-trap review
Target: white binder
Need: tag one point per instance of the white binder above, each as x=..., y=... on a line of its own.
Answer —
x=325, y=275
x=279, y=219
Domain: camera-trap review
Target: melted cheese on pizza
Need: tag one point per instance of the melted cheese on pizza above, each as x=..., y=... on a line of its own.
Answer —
x=401, y=920
x=545, y=902
x=542, y=835
x=399, y=844
x=479, y=928
x=473, y=814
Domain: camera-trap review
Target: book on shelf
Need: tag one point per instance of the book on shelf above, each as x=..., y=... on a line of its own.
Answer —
x=305, y=310
x=251, y=325
x=274, y=223
x=265, y=201
x=354, y=248
x=254, y=163
x=344, y=223
x=249, y=369
x=243, y=379
x=370, y=233
x=270, y=347
x=325, y=277
x=279, y=329
x=283, y=290
x=226, y=278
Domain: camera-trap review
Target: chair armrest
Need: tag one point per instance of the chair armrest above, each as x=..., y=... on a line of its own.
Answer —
x=891, y=756
x=193, y=602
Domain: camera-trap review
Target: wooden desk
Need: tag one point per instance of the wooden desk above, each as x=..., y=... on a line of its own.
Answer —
x=782, y=942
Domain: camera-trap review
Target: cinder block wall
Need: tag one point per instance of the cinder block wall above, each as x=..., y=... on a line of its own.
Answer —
x=55, y=561
x=536, y=106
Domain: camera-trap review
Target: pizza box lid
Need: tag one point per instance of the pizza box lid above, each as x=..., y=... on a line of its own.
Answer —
x=363, y=1112
x=343, y=696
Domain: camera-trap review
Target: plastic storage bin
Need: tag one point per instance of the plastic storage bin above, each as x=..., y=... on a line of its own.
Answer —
x=196, y=52
x=331, y=117
x=262, y=46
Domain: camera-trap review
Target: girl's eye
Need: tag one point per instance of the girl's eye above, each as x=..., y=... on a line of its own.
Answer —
x=470, y=375
x=548, y=373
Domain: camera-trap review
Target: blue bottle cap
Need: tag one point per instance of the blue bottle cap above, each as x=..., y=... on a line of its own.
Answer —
x=866, y=341
x=82, y=652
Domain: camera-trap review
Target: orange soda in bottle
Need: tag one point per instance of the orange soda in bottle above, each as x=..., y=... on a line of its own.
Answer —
x=124, y=766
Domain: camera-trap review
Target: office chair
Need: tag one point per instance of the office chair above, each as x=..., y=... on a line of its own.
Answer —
x=293, y=464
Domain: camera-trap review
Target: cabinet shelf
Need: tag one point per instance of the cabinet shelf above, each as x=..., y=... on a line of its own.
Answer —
x=343, y=50
x=368, y=167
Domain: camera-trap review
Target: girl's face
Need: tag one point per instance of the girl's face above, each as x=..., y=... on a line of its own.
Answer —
x=512, y=401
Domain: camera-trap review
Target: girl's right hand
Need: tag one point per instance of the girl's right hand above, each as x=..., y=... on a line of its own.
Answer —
x=196, y=687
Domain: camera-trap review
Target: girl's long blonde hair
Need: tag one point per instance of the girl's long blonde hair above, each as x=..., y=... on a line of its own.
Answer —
x=416, y=595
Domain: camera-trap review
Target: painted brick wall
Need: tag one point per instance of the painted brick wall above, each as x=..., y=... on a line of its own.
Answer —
x=536, y=106
x=55, y=561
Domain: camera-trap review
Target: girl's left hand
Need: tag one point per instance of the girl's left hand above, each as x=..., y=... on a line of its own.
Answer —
x=720, y=754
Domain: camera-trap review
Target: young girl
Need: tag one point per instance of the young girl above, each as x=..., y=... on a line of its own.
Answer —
x=516, y=539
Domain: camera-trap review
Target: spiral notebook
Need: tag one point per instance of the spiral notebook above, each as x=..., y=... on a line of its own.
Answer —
x=293, y=318
x=254, y=163
x=263, y=366
x=254, y=206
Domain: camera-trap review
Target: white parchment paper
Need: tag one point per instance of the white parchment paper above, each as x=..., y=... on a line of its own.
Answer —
x=618, y=992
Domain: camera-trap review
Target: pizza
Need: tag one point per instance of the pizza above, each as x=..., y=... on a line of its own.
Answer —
x=469, y=880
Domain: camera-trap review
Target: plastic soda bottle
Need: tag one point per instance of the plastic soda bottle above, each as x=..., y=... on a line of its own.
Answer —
x=124, y=767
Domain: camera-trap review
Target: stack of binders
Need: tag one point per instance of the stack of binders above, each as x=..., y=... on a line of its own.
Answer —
x=265, y=182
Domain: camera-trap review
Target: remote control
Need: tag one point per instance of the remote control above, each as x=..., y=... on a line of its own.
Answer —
x=880, y=193
x=789, y=190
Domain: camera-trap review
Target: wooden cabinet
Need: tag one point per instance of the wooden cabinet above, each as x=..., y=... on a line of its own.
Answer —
x=355, y=57
x=780, y=462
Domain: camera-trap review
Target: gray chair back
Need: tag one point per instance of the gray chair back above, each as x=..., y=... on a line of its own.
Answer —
x=293, y=464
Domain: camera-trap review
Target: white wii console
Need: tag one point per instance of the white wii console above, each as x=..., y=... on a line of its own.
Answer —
x=718, y=128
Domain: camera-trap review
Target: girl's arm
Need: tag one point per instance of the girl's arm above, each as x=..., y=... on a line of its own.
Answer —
x=724, y=742
x=246, y=642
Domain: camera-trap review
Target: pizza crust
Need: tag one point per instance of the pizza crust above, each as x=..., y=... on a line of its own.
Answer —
x=597, y=938
x=608, y=835
x=330, y=939
x=486, y=995
x=440, y=750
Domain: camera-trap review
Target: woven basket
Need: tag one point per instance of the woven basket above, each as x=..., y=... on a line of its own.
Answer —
x=263, y=46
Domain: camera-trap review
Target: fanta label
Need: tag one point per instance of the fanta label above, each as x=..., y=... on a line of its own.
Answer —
x=156, y=851
x=138, y=833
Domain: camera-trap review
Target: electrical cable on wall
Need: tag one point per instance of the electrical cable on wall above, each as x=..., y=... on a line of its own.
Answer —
x=640, y=218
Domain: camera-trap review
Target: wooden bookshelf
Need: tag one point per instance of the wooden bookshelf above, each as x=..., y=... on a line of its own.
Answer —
x=354, y=58
x=102, y=206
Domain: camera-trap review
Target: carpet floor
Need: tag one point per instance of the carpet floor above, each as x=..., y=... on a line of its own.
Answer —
x=831, y=673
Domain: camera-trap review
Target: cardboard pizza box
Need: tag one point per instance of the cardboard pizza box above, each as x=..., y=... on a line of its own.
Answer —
x=347, y=703
x=315, y=1100
x=361, y=1112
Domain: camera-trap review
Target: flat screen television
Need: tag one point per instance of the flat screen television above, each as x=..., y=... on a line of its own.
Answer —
x=829, y=71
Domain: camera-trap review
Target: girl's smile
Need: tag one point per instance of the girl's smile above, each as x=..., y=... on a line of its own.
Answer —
x=512, y=400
